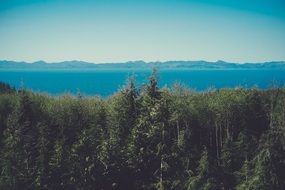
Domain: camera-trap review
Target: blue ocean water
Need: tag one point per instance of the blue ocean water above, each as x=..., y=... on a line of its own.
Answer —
x=107, y=82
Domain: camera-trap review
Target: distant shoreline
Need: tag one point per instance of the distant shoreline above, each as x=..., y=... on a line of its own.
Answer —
x=141, y=65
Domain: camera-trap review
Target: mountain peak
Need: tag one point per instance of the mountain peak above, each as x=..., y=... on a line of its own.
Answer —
x=40, y=62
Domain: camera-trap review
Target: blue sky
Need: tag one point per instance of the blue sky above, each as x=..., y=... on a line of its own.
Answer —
x=150, y=30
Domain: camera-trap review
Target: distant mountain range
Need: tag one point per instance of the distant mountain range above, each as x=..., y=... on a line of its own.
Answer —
x=135, y=65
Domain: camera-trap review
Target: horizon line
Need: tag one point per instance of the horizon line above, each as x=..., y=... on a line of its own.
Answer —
x=138, y=60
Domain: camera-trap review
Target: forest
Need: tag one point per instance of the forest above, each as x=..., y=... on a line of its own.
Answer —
x=143, y=138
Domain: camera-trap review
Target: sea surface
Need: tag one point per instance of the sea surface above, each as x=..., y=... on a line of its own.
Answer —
x=107, y=82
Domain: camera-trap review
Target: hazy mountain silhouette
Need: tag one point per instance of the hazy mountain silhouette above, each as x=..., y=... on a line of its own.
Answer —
x=134, y=65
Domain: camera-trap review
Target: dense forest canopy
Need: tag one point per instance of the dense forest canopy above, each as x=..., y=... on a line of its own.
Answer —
x=146, y=138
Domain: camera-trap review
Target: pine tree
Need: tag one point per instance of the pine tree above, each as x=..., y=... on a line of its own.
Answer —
x=268, y=166
x=207, y=171
x=20, y=138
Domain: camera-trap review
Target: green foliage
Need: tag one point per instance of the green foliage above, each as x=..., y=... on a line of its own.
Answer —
x=6, y=88
x=147, y=138
x=207, y=177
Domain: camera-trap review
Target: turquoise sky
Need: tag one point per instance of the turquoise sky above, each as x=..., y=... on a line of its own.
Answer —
x=150, y=30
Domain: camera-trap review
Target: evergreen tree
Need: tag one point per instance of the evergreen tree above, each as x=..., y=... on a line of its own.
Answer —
x=207, y=178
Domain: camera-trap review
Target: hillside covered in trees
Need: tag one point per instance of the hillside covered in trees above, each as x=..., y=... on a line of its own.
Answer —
x=146, y=138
